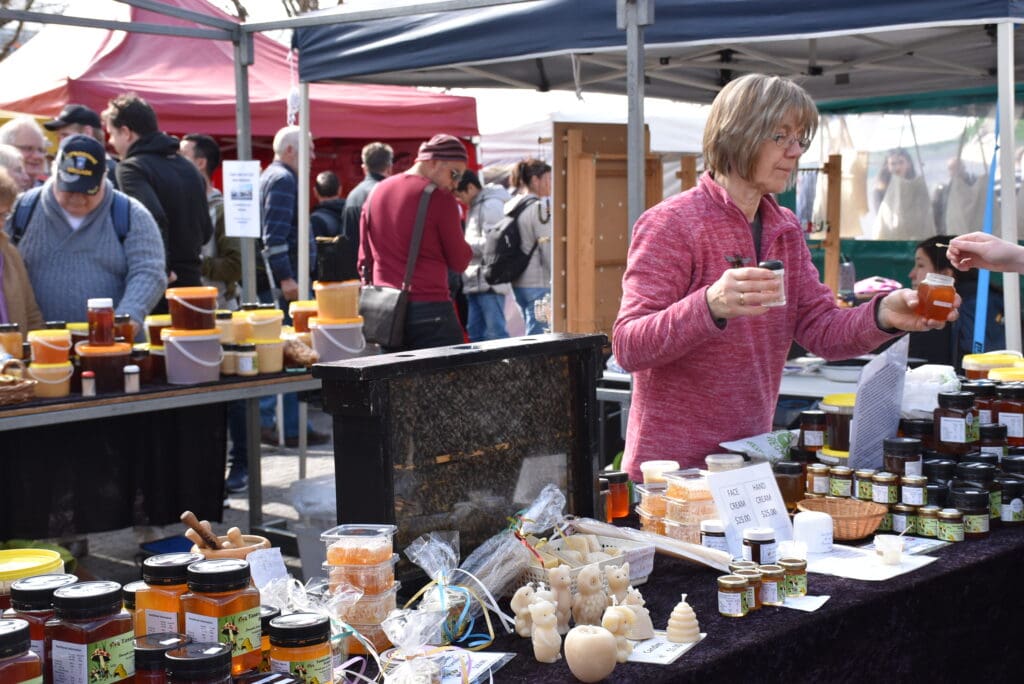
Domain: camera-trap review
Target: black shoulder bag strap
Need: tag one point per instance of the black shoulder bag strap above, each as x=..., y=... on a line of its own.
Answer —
x=414, y=246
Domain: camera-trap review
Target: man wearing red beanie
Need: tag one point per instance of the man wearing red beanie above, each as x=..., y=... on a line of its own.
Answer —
x=386, y=228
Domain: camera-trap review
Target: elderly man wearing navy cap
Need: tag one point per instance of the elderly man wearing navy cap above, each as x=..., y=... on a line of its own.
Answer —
x=81, y=238
x=386, y=229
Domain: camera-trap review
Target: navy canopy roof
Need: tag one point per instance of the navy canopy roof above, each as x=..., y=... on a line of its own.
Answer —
x=837, y=49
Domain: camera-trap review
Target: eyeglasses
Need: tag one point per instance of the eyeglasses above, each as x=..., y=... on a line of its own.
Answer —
x=787, y=141
x=31, y=148
x=456, y=175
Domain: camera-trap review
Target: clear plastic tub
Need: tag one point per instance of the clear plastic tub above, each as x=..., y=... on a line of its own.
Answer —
x=335, y=340
x=372, y=579
x=52, y=379
x=337, y=299
x=687, y=485
x=689, y=511
x=371, y=609
x=650, y=522
x=358, y=544
x=270, y=355
x=372, y=633
x=266, y=323
x=652, y=498
x=687, y=532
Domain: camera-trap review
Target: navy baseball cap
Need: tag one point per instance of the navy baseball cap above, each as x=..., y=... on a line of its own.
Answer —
x=81, y=163
x=74, y=114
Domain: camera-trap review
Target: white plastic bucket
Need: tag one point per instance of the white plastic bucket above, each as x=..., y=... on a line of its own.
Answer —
x=53, y=379
x=337, y=341
x=191, y=359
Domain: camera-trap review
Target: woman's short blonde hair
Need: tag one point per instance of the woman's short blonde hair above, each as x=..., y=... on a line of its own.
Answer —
x=8, y=189
x=748, y=111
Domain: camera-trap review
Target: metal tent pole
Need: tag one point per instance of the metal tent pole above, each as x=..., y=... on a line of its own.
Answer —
x=1008, y=200
x=632, y=16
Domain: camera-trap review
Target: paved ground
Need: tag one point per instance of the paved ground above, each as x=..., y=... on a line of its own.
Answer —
x=115, y=555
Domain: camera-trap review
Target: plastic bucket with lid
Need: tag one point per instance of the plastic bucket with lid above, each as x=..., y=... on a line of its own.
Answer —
x=52, y=379
x=107, y=362
x=337, y=339
x=270, y=355
x=301, y=311
x=192, y=356
x=155, y=324
x=337, y=300
x=240, y=322
x=192, y=308
x=979, y=365
x=50, y=346
x=265, y=323
x=16, y=564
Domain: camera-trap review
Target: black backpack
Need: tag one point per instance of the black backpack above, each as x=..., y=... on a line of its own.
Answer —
x=503, y=259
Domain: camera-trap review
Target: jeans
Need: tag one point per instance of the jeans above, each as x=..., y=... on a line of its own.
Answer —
x=290, y=405
x=429, y=324
x=239, y=454
x=525, y=297
x=486, y=316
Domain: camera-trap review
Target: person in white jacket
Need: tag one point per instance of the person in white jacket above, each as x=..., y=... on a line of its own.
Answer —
x=486, y=320
x=532, y=178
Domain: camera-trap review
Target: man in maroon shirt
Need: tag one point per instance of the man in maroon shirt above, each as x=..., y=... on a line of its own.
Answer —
x=386, y=225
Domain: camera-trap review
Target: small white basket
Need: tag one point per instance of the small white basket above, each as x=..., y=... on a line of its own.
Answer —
x=639, y=555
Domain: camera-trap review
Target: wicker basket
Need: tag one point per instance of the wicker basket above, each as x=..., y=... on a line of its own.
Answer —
x=17, y=393
x=851, y=518
x=640, y=557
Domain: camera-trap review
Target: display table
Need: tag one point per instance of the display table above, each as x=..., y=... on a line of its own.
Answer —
x=956, y=619
x=93, y=464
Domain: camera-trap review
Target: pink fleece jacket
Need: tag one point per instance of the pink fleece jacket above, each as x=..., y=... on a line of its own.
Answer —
x=695, y=384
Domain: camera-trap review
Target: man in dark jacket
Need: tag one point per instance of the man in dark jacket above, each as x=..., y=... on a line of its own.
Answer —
x=377, y=158
x=170, y=186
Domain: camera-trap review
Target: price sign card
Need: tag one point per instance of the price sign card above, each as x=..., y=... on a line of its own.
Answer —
x=749, y=497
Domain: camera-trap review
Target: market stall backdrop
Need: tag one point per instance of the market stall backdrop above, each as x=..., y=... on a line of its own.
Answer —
x=880, y=54
x=190, y=82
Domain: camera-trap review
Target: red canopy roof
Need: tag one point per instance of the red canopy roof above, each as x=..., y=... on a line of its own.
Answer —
x=190, y=82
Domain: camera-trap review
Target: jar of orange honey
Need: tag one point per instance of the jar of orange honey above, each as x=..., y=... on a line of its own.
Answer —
x=935, y=296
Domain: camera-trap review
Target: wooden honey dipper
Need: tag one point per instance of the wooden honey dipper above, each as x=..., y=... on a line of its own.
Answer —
x=208, y=539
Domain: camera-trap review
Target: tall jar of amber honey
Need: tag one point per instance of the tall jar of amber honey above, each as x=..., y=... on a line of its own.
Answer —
x=158, y=604
x=90, y=638
x=221, y=605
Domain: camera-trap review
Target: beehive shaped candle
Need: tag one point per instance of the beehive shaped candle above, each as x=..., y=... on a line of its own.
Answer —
x=682, y=624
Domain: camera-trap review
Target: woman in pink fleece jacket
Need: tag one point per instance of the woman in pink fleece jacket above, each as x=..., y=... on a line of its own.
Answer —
x=705, y=353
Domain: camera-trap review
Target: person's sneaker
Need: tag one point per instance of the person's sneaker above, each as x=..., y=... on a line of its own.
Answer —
x=313, y=438
x=238, y=480
x=268, y=436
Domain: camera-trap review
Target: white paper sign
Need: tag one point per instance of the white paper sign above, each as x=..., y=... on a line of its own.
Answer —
x=749, y=497
x=242, y=198
x=658, y=650
x=266, y=565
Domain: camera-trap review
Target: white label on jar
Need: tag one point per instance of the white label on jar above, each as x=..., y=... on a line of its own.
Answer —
x=1013, y=511
x=769, y=592
x=711, y=542
x=70, y=662
x=985, y=416
x=819, y=484
x=814, y=438
x=880, y=493
x=746, y=552
x=246, y=364
x=730, y=603
x=913, y=495
x=1014, y=423
x=769, y=553
x=912, y=467
x=997, y=450
x=39, y=646
x=201, y=628
x=899, y=522
x=160, y=621
x=953, y=430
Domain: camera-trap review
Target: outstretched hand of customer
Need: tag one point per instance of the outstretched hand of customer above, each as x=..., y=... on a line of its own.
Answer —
x=981, y=250
x=742, y=292
x=897, y=310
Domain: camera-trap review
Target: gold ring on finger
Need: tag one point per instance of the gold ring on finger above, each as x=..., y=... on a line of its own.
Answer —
x=741, y=299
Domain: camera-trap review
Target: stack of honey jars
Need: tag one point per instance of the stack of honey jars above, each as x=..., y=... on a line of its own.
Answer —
x=192, y=351
x=51, y=362
x=363, y=557
x=104, y=354
x=687, y=502
x=337, y=328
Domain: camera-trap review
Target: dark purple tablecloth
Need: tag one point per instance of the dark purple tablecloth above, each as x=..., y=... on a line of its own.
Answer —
x=958, y=619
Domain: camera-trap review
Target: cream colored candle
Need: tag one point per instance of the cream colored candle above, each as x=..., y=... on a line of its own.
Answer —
x=590, y=652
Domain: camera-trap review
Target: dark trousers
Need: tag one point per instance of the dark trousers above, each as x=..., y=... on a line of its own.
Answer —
x=429, y=324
